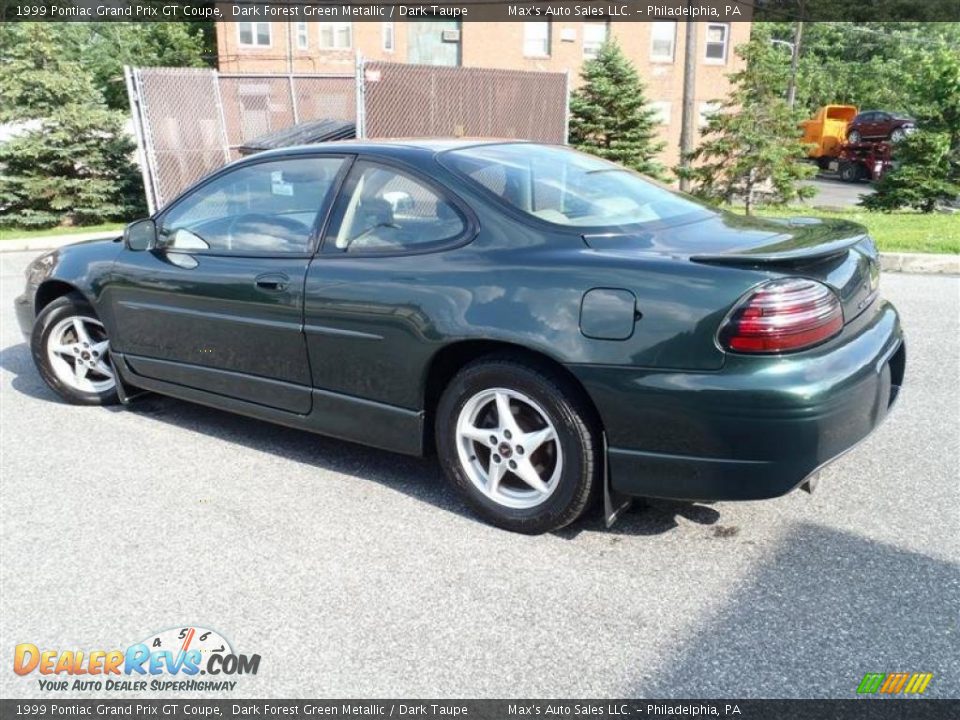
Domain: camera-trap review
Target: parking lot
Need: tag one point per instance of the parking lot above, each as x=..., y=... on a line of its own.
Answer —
x=355, y=572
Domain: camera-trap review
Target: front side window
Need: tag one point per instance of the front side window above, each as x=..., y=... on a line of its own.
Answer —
x=336, y=35
x=385, y=210
x=254, y=34
x=594, y=36
x=717, y=42
x=536, y=39
x=566, y=187
x=268, y=207
x=663, y=42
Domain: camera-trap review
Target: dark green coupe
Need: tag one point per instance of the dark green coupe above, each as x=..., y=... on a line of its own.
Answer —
x=556, y=326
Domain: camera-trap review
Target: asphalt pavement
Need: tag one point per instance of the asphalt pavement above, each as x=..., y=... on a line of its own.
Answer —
x=835, y=193
x=354, y=572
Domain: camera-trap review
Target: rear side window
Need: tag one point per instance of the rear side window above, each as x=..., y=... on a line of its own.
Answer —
x=267, y=207
x=386, y=210
x=565, y=187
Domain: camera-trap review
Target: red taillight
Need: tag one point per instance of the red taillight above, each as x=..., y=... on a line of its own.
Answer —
x=781, y=316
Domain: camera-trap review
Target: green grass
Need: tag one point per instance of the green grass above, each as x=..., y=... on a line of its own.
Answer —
x=8, y=233
x=893, y=232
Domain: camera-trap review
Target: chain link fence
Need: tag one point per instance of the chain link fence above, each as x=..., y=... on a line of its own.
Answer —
x=189, y=121
x=401, y=100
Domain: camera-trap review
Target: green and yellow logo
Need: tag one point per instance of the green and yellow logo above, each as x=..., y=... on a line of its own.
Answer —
x=895, y=683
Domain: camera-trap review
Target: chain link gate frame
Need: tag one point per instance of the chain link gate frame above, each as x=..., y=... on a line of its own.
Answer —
x=189, y=122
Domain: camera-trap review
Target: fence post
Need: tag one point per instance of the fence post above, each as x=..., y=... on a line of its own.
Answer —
x=361, y=121
x=293, y=100
x=136, y=116
x=223, y=116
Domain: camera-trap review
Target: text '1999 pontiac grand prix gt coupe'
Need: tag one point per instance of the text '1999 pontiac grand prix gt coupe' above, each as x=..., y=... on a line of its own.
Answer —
x=556, y=326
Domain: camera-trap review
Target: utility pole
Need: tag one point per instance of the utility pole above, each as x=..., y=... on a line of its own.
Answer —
x=794, y=61
x=687, y=128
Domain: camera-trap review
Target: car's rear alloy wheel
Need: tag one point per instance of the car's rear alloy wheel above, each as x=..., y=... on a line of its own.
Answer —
x=71, y=350
x=517, y=440
x=509, y=448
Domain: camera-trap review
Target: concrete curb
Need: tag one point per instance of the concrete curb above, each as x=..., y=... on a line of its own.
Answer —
x=926, y=263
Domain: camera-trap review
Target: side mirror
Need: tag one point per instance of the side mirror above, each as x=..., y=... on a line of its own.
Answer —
x=140, y=235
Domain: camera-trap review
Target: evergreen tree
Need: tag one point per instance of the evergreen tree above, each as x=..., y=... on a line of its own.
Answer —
x=71, y=160
x=610, y=115
x=927, y=173
x=750, y=149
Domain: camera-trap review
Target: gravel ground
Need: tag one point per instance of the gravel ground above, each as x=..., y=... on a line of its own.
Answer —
x=355, y=572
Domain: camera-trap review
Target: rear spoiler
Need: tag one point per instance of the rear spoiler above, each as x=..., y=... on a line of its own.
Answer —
x=786, y=252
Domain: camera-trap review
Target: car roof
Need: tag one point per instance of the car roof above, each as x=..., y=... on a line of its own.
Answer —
x=397, y=147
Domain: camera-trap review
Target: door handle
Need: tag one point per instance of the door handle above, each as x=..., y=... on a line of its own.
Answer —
x=275, y=282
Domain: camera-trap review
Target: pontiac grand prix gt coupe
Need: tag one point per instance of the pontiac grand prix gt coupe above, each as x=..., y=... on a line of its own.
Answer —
x=557, y=327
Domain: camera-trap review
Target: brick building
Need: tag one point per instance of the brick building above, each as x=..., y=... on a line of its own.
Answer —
x=656, y=49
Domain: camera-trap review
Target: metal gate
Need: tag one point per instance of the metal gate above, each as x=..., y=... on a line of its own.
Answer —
x=190, y=121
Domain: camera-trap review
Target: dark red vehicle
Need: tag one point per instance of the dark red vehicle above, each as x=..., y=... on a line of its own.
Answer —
x=864, y=161
x=880, y=125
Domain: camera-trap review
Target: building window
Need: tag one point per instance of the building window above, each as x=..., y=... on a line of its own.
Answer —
x=302, y=37
x=336, y=35
x=387, y=33
x=662, y=111
x=254, y=34
x=594, y=36
x=536, y=39
x=664, y=41
x=717, y=39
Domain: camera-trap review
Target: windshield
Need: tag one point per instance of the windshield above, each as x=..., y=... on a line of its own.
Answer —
x=566, y=187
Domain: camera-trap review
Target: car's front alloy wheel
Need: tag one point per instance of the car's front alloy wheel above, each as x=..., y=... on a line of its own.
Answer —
x=518, y=442
x=72, y=352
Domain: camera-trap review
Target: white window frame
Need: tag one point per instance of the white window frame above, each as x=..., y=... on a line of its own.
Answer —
x=255, y=35
x=591, y=48
x=303, y=35
x=726, y=44
x=663, y=108
x=335, y=26
x=668, y=57
x=388, y=30
x=528, y=40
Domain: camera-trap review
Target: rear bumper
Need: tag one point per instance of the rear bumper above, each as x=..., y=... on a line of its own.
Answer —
x=758, y=427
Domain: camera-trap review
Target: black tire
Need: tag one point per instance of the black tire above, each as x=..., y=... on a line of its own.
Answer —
x=576, y=430
x=854, y=136
x=850, y=172
x=67, y=306
x=898, y=134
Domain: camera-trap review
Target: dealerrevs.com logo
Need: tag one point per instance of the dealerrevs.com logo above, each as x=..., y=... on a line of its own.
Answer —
x=167, y=661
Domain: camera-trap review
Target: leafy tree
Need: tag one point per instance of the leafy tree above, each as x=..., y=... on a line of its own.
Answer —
x=103, y=48
x=70, y=162
x=610, y=115
x=928, y=161
x=927, y=174
x=751, y=147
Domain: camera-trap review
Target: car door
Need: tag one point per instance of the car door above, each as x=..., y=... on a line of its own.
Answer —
x=881, y=124
x=870, y=125
x=378, y=289
x=217, y=304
